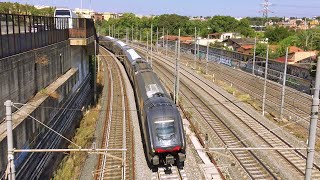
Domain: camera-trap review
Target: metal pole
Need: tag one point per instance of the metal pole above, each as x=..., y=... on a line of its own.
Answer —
x=127, y=35
x=167, y=44
x=178, y=76
x=157, y=39
x=11, y=173
x=151, y=32
x=163, y=37
x=147, y=46
x=176, y=49
x=131, y=33
x=313, y=124
x=195, y=46
x=198, y=43
x=254, y=54
x=94, y=73
x=265, y=82
x=207, y=58
x=175, y=72
x=284, y=84
x=140, y=35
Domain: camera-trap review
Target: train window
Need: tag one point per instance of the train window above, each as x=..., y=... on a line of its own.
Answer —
x=165, y=129
x=62, y=12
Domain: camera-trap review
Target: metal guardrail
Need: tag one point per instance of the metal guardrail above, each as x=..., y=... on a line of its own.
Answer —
x=20, y=33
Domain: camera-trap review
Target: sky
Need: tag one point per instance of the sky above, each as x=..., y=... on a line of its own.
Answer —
x=235, y=8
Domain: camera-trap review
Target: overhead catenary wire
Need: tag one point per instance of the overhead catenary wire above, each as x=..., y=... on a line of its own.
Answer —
x=45, y=125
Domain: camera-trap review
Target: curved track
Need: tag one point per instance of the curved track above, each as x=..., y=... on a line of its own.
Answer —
x=117, y=128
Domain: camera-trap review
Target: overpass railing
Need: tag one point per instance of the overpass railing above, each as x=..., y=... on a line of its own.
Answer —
x=20, y=33
x=82, y=28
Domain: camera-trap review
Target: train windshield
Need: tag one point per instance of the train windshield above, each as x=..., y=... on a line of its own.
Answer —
x=165, y=129
x=62, y=12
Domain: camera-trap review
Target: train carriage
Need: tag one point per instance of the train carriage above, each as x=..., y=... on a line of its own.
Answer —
x=107, y=42
x=160, y=119
x=119, y=49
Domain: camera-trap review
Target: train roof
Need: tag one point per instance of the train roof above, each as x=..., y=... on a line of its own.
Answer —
x=134, y=55
x=120, y=43
x=109, y=37
x=150, y=83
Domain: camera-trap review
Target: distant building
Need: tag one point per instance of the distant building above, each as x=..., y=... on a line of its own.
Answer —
x=84, y=13
x=197, y=18
x=223, y=36
x=183, y=39
x=238, y=44
x=299, y=57
x=41, y=7
x=97, y=16
x=295, y=24
x=245, y=49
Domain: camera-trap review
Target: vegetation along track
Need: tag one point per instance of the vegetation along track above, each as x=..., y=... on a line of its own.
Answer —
x=290, y=160
x=117, y=133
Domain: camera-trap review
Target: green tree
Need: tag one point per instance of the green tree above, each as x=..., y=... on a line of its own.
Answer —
x=276, y=34
x=245, y=29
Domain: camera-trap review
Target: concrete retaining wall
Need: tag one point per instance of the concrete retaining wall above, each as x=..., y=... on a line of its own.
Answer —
x=23, y=75
x=25, y=78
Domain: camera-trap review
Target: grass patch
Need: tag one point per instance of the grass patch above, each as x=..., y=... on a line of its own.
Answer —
x=70, y=167
x=230, y=89
x=244, y=97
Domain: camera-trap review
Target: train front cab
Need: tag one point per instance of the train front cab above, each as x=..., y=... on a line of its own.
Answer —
x=167, y=143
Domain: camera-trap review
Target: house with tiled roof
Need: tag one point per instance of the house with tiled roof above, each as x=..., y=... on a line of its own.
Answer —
x=299, y=57
x=241, y=43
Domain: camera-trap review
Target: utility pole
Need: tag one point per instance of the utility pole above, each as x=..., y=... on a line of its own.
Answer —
x=147, y=46
x=284, y=85
x=254, y=54
x=113, y=31
x=109, y=30
x=157, y=39
x=11, y=173
x=132, y=33
x=163, y=37
x=151, y=32
x=175, y=72
x=167, y=43
x=207, y=58
x=127, y=35
x=140, y=35
x=265, y=82
x=95, y=73
x=177, y=78
x=313, y=124
x=195, y=46
x=198, y=43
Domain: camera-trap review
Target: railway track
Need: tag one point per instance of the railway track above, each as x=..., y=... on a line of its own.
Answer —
x=292, y=160
x=172, y=173
x=297, y=105
x=117, y=133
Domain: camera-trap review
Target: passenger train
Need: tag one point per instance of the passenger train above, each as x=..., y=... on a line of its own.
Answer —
x=160, y=119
